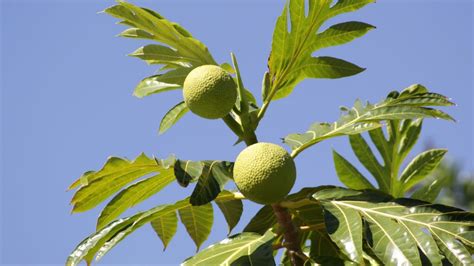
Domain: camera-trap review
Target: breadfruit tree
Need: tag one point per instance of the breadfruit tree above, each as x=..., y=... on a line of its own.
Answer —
x=394, y=221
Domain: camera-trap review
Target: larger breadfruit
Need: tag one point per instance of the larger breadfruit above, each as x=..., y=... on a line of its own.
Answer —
x=264, y=173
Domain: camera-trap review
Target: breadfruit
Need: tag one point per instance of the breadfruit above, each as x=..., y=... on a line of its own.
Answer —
x=209, y=91
x=264, y=173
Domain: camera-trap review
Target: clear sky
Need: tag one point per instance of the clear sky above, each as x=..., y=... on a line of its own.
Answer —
x=67, y=105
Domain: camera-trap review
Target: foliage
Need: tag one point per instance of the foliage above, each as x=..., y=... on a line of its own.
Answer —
x=362, y=224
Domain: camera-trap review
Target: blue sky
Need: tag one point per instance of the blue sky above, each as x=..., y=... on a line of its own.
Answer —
x=67, y=105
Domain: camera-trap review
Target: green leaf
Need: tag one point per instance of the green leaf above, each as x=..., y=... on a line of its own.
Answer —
x=133, y=195
x=396, y=229
x=136, y=33
x=173, y=116
x=198, y=222
x=159, y=54
x=102, y=241
x=322, y=245
x=178, y=51
x=328, y=67
x=116, y=173
x=262, y=221
x=455, y=252
x=241, y=249
x=165, y=227
x=232, y=211
x=348, y=174
x=367, y=158
x=345, y=228
x=214, y=176
x=383, y=146
x=410, y=132
x=187, y=171
x=154, y=85
x=420, y=167
x=361, y=118
x=296, y=38
x=429, y=191
x=341, y=33
x=163, y=31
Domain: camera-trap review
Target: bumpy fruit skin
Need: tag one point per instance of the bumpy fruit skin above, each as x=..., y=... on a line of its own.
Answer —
x=264, y=173
x=209, y=91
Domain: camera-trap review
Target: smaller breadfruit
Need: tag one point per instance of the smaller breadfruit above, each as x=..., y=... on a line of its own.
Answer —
x=209, y=91
x=264, y=173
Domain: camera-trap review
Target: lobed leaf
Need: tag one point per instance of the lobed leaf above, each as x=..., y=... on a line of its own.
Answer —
x=241, y=249
x=116, y=173
x=179, y=52
x=296, y=38
x=361, y=118
x=401, y=231
x=102, y=241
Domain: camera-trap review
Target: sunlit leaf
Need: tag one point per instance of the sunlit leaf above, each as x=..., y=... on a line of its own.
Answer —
x=165, y=227
x=348, y=174
x=198, y=221
x=173, y=116
x=400, y=231
x=361, y=118
x=296, y=38
x=116, y=173
x=102, y=241
x=420, y=167
x=241, y=249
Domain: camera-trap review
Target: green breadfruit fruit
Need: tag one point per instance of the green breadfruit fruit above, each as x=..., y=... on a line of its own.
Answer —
x=264, y=173
x=209, y=91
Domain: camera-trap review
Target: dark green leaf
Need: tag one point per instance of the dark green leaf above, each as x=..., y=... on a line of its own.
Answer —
x=214, y=176
x=344, y=225
x=187, y=171
x=262, y=221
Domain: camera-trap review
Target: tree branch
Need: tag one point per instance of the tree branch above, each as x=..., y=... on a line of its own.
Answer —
x=291, y=235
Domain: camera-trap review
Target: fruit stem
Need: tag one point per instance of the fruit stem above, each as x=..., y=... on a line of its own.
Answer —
x=292, y=242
